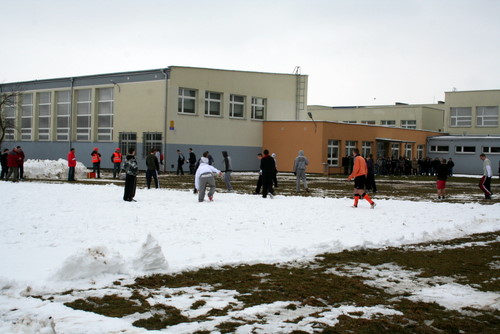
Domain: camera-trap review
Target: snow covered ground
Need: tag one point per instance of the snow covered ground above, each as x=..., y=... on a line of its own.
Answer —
x=58, y=237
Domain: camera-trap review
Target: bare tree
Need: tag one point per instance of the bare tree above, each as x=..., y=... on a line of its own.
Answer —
x=7, y=103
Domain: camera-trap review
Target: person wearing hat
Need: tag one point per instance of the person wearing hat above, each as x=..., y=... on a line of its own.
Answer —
x=116, y=159
x=96, y=162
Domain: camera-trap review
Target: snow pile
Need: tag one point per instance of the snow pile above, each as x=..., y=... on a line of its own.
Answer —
x=52, y=169
x=150, y=257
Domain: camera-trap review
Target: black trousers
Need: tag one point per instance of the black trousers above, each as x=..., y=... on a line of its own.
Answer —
x=267, y=184
x=151, y=173
x=129, y=191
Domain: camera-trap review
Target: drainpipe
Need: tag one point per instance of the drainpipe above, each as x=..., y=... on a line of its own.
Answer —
x=71, y=80
x=165, y=120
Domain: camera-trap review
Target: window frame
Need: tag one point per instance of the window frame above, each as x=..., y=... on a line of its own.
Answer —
x=436, y=149
x=256, y=106
x=127, y=140
x=406, y=125
x=494, y=118
x=151, y=140
x=462, y=149
x=84, y=133
x=349, y=147
x=391, y=123
x=332, y=158
x=105, y=132
x=488, y=149
x=233, y=104
x=366, y=148
x=63, y=113
x=209, y=100
x=182, y=98
x=27, y=117
x=44, y=133
x=457, y=120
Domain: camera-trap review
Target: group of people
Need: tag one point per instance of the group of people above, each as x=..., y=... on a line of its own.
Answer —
x=12, y=164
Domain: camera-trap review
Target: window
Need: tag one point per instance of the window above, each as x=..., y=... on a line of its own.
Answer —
x=487, y=116
x=368, y=122
x=460, y=117
x=409, y=124
x=237, y=106
x=408, y=151
x=187, y=99
x=349, y=146
x=439, y=149
x=126, y=141
x=83, y=114
x=366, y=148
x=333, y=153
x=390, y=123
x=62, y=114
x=9, y=109
x=151, y=140
x=349, y=122
x=27, y=116
x=258, y=108
x=213, y=104
x=44, y=113
x=420, y=151
x=395, y=150
x=105, y=114
x=491, y=149
x=465, y=149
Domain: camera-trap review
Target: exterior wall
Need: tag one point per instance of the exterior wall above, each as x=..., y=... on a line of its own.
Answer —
x=427, y=117
x=472, y=99
x=466, y=163
x=286, y=138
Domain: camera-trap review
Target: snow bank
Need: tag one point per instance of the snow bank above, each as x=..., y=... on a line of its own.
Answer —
x=52, y=169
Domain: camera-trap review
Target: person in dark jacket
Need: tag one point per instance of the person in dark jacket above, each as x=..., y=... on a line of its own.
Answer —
x=21, y=158
x=152, y=168
x=180, y=162
x=5, y=167
x=259, y=180
x=131, y=170
x=268, y=167
x=450, y=165
x=228, y=169
x=442, y=176
x=370, y=177
x=192, y=162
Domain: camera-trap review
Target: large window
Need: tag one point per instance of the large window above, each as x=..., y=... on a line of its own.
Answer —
x=487, y=116
x=333, y=153
x=83, y=114
x=63, y=114
x=27, y=116
x=126, y=141
x=213, y=102
x=460, y=117
x=366, y=148
x=237, y=106
x=44, y=115
x=409, y=124
x=187, y=101
x=349, y=146
x=105, y=114
x=395, y=147
x=258, y=108
x=408, y=151
x=465, y=149
x=9, y=110
x=439, y=149
x=390, y=123
x=151, y=140
x=420, y=151
x=491, y=149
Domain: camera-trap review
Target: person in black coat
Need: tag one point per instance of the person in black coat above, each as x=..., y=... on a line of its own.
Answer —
x=131, y=169
x=268, y=168
x=5, y=167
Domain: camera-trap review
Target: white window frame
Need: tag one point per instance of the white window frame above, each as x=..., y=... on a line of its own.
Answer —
x=368, y=122
x=487, y=117
x=235, y=104
x=184, y=98
x=462, y=149
x=460, y=117
x=213, y=99
x=366, y=148
x=105, y=113
x=63, y=113
x=151, y=140
x=420, y=151
x=10, y=114
x=349, y=122
x=333, y=157
x=258, y=108
x=491, y=149
x=439, y=149
x=44, y=115
x=83, y=112
x=350, y=145
x=27, y=116
x=409, y=124
x=395, y=149
x=389, y=123
x=408, y=151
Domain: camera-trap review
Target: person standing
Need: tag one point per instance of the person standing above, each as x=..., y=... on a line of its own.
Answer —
x=192, y=162
x=21, y=157
x=275, y=176
x=71, y=164
x=442, y=172
x=116, y=159
x=485, y=182
x=267, y=166
x=13, y=164
x=96, y=162
x=131, y=170
x=259, y=180
x=450, y=165
x=180, y=162
x=152, y=167
x=359, y=172
x=5, y=167
x=204, y=178
x=299, y=169
x=228, y=169
x=370, y=177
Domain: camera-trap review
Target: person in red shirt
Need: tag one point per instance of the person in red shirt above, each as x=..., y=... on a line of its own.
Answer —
x=359, y=173
x=71, y=164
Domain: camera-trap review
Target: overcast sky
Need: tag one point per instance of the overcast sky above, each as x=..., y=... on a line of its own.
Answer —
x=356, y=52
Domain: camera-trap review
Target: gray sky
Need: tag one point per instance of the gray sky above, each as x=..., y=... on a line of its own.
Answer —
x=356, y=52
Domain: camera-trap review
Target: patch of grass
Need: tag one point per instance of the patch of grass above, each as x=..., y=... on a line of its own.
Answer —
x=110, y=306
x=164, y=316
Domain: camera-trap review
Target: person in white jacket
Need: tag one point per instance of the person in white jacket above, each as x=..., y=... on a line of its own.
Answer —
x=204, y=178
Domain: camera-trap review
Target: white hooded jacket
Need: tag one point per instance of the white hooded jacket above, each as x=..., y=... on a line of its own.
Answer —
x=203, y=169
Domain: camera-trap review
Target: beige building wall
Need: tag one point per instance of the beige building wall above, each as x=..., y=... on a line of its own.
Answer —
x=279, y=91
x=427, y=117
x=472, y=100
